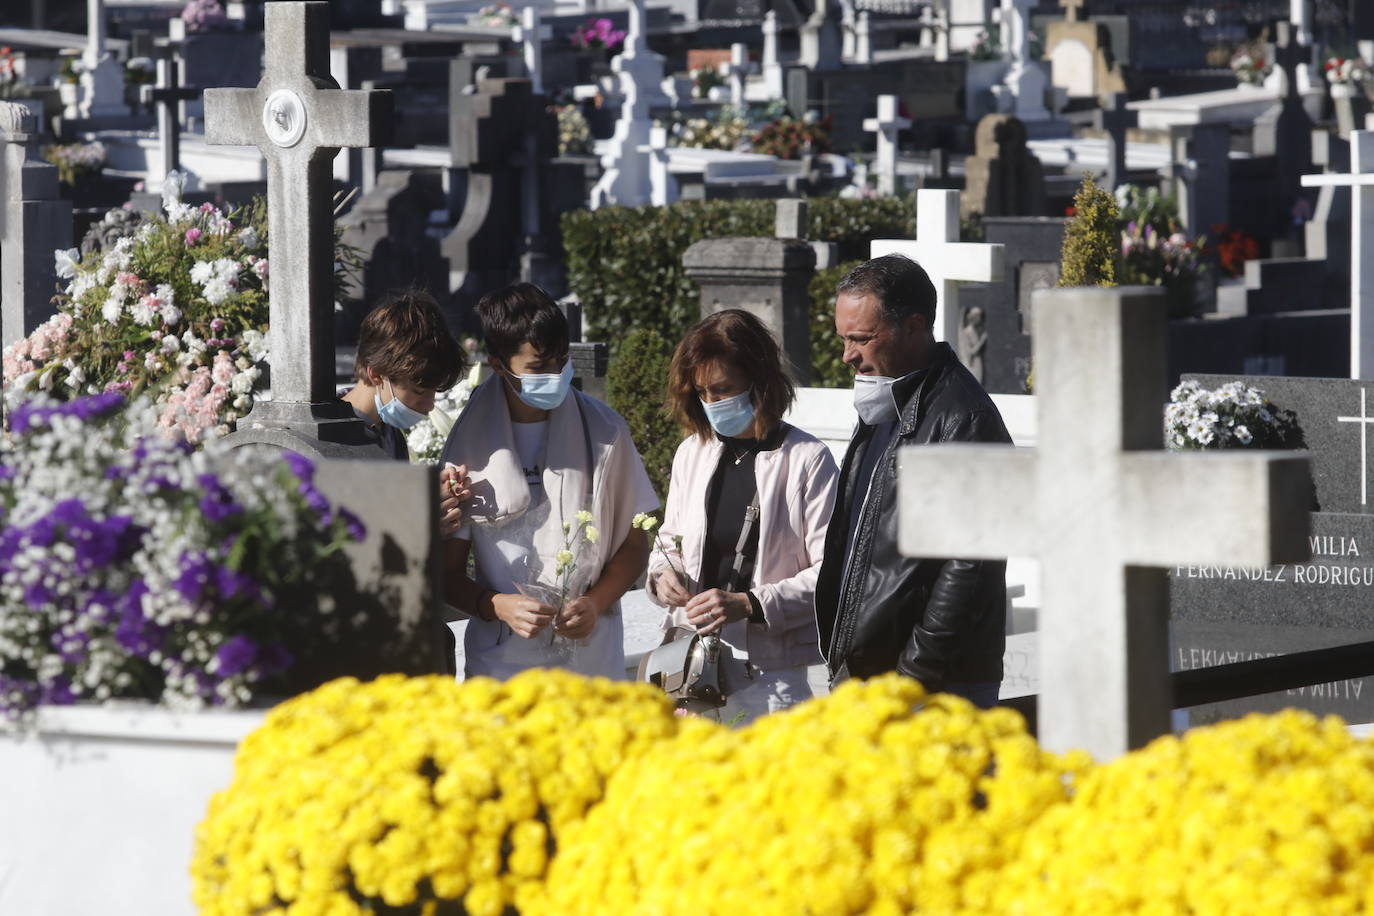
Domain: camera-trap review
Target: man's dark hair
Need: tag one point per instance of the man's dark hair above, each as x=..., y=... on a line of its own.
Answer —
x=522, y=313
x=900, y=285
x=406, y=340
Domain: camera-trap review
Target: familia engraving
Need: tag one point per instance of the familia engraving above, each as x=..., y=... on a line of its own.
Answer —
x=1193, y=657
x=1303, y=574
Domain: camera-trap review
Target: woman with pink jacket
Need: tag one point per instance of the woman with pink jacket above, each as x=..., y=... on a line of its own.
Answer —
x=728, y=389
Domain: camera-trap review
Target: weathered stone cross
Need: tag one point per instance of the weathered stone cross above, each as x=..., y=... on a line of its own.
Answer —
x=948, y=261
x=1113, y=118
x=1103, y=508
x=168, y=95
x=300, y=119
x=1360, y=181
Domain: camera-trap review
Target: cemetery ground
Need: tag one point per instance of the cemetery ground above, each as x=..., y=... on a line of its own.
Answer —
x=224, y=675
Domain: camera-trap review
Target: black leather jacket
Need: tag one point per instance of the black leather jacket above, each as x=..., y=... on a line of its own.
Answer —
x=936, y=620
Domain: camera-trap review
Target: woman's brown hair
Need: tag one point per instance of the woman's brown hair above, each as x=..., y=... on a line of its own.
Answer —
x=739, y=339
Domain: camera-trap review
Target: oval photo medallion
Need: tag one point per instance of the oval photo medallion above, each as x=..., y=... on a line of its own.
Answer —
x=283, y=118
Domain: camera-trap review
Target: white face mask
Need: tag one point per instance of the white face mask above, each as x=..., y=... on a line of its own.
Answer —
x=873, y=399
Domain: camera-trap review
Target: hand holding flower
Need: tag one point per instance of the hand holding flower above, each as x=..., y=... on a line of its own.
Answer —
x=578, y=618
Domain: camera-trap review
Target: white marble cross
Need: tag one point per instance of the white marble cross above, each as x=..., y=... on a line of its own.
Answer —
x=1364, y=419
x=772, y=66
x=735, y=70
x=863, y=39
x=531, y=35
x=1104, y=509
x=948, y=261
x=1361, y=184
x=887, y=125
x=299, y=118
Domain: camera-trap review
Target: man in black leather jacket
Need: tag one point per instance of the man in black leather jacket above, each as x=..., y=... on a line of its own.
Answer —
x=941, y=621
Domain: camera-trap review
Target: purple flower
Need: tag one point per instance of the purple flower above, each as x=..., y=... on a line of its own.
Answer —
x=236, y=655
x=192, y=236
x=275, y=658
x=7, y=472
x=300, y=465
x=196, y=574
x=233, y=584
x=354, y=525
x=316, y=501
x=25, y=417
x=218, y=503
x=136, y=633
x=58, y=693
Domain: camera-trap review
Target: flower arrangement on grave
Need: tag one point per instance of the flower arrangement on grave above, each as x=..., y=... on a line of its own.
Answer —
x=791, y=138
x=75, y=161
x=1350, y=72
x=497, y=15
x=69, y=71
x=1235, y=415
x=574, y=133
x=12, y=85
x=1155, y=251
x=441, y=796
x=204, y=16
x=598, y=34
x=140, y=71
x=1233, y=248
x=986, y=45
x=726, y=129
x=132, y=567
x=704, y=79
x=1250, y=65
x=426, y=439
x=178, y=309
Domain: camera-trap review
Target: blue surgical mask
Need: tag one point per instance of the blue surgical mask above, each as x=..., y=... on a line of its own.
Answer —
x=545, y=391
x=395, y=412
x=730, y=416
x=873, y=399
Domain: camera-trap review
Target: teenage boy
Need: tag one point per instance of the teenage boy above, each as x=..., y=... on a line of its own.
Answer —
x=406, y=356
x=541, y=454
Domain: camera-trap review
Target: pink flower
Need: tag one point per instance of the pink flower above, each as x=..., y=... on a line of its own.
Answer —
x=217, y=326
x=192, y=236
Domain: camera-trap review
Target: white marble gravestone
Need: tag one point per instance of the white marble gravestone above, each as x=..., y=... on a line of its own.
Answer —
x=948, y=261
x=299, y=118
x=1361, y=184
x=627, y=181
x=102, y=75
x=1022, y=90
x=1104, y=509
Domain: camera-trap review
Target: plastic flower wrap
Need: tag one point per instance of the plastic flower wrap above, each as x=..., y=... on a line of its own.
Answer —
x=875, y=799
x=403, y=793
x=133, y=567
x=1235, y=415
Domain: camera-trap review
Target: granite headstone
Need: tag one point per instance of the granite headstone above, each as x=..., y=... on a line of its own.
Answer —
x=1224, y=614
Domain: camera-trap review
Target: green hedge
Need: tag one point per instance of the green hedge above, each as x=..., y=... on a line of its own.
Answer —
x=637, y=388
x=828, y=369
x=625, y=263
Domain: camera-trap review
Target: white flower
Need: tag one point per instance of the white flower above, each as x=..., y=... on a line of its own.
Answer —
x=228, y=269
x=1243, y=435
x=202, y=272
x=242, y=382
x=260, y=268
x=143, y=311
x=170, y=314
x=170, y=344
x=248, y=238
x=112, y=309
x=217, y=291
x=66, y=262
x=256, y=343
x=172, y=186
x=1201, y=432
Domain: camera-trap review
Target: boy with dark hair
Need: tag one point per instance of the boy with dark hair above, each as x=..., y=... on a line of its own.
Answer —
x=543, y=459
x=406, y=356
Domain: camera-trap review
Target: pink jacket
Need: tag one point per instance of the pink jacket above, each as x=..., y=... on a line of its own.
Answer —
x=796, y=484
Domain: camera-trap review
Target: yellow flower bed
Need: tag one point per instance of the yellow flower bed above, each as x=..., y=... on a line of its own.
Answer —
x=863, y=802
x=356, y=797
x=554, y=795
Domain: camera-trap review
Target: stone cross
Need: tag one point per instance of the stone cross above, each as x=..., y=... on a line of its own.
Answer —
x=1114, y=118
x=626, y=180
x=1104, y=510
x=664, y=187
x=532, y=36
x=772, y=67
x=102, y=77
x=847, y=35
x=1022, y=90
x=887, y=125
x=168, y=96
x=935, y=30
x=863, y=40
x=735, y=70
x=948, y=261
x=1360, y=180
x=1073, y=9
x=299, y=118
x=34, y=223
